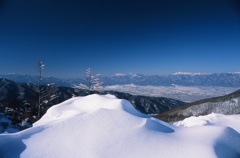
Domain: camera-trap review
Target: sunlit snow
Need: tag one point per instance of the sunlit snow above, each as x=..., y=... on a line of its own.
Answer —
x=232, y=121
x=98, y=126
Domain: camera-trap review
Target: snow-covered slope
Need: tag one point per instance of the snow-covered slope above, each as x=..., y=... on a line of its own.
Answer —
x=98, y=126
x=228, y=105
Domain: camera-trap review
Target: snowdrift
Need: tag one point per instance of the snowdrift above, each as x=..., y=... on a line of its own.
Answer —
x=98, y=126
x=212, y=119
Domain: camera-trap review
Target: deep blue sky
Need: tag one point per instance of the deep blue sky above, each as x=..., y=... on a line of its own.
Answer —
x=119, y=36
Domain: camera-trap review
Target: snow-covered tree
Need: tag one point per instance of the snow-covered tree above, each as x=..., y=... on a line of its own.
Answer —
x=45, y=94
x=93, y=82
x=40, y=67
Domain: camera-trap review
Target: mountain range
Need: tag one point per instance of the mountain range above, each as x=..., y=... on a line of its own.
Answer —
x=183, y=79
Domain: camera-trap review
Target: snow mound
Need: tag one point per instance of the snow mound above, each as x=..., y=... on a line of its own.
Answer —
x=98, y=126
x=85, y=106
x=213, y=119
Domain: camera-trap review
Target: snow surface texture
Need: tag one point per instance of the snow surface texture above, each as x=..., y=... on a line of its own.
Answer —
x=98, y=126
x=183, y=93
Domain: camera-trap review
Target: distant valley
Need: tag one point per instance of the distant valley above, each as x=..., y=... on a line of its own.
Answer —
x=183, y=93
x=187, y=87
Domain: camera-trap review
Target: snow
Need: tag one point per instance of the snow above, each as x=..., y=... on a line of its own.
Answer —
x=213, y=119
x=102, y=126
x=120, y=74
x=189, y=73
x=234, y=72
x=5, y=125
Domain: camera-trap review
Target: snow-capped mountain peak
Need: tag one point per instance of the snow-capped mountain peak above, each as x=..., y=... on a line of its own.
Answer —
x=189, y=73
x=119, y=74
x=238, y=73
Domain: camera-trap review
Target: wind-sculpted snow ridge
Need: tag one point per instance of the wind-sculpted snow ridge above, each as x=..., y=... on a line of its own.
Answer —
x=102, y=126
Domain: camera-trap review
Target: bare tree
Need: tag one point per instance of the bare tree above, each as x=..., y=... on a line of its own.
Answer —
x=93, y=82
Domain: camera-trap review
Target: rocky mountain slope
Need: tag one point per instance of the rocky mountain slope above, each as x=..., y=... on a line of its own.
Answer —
x=184, y=79
x=228, y=104
x=19, y=100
